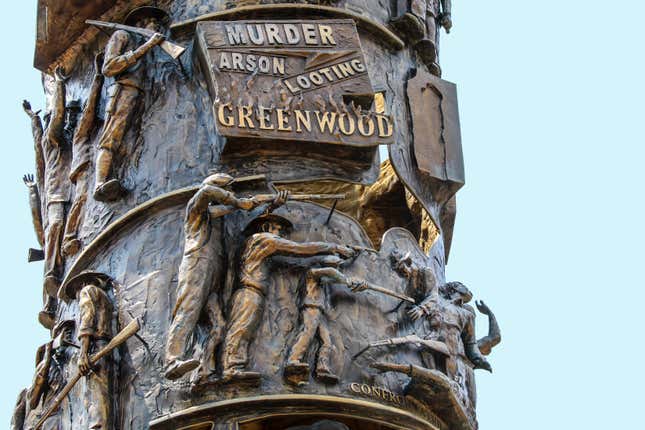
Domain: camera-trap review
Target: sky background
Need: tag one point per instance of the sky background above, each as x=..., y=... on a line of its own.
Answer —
x=549, y=231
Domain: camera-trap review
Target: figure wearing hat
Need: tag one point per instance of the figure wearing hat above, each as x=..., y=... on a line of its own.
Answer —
x=419, y=18
x=313, y=309
x=264, y=242
x=56, y=158
x=49, y=377
x=125, y=62
x=94, y=333
x=200, y=273
x=81, y=159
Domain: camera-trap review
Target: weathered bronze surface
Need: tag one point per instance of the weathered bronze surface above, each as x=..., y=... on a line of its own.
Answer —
x=223, y=247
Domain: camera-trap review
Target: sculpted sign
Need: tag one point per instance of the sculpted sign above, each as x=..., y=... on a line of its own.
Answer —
x=291, y=80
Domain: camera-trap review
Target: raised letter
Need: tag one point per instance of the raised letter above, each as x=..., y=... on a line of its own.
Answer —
x=273, y=35
x=351, y=126
x=258, y=37
x=292, y=33
x=262, y=114
x=283, y=120
x=244, y=116
x=326, y=35
x=385, y=127
x=358, y=65
x=278, y=66
x=226, y=121
x=325, y=121
x=224, y=61
x=236, y=35
x=237, y=61
x=311, y=38
x=361, y=125
x=303, y=120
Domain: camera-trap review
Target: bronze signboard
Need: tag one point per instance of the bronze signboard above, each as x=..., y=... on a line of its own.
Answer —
x=291, y=80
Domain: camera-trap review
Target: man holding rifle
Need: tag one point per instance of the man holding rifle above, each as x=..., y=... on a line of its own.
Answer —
x=125, y=62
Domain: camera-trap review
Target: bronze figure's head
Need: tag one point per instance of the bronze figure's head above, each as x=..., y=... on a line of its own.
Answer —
x=269, y=223
x=148, y=17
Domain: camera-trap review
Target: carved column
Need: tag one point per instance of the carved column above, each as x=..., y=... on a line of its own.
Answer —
x=242, y=259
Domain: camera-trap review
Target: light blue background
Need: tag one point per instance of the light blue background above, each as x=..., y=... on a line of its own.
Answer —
x=549, y=230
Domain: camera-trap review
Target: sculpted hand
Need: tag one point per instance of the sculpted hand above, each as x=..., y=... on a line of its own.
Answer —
x=483, y=308
x=157, y=39
x=247, y=204
x=280, y=199
x=345, y=251
x=415, y=313
x=84, y=364
x=28, y=179
x=446, y=22
x=357, y=285
x=26, y=106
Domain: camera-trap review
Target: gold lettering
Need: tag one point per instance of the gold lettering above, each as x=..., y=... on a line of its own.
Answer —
x=293, y=89
x=385, y=126
x=292, y=33
x=226, y=121
x=303, y=119
x=273, y=35
x=303, y=81
x=327, y=120
x=236, y=35
x=251, y=62
x=354, y=387
x=337, y=72
x=361, y=125
x=346, y=70
x=316, y=78
x=256, y=34
x=358, y=65
x=365, y=389
x=311, y=38
x=325, y=72
x=349, y=128
x=283, y=120
x=263, y=65
x=264, y=116
x=278, y=66
x=326, y=35
x=244, y=116
x=237, y=61
x=224, y=63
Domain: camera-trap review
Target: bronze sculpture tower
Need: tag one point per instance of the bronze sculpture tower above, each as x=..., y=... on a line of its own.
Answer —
x=223, y=247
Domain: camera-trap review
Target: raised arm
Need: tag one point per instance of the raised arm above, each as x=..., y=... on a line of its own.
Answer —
x=470, y=343
x=34, y=204
x=57, y=122
x=494, y=337
x=88, y=118
x=37, y=133
x=117, y=60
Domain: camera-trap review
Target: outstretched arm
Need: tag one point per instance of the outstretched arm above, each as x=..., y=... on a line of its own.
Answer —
x=37, y=133
x=470, y=344
x=88, y=118
x=34, y=204
x=287, y=247
x=57, y=122
x=494, y=337
x=117, y=60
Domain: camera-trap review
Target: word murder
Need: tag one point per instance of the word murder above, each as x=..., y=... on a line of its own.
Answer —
x=300, y=121
x=275, y=34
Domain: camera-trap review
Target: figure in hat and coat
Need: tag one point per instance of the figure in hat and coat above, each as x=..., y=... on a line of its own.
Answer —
x=96, y=315
x=200, y=273
x=265, y=240
x=125, y=62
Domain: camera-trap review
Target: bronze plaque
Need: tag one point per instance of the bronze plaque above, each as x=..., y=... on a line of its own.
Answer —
x=301, y=81
x=435, y=123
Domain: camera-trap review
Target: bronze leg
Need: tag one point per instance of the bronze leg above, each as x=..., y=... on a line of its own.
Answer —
x=310, y=322
x=246, y=314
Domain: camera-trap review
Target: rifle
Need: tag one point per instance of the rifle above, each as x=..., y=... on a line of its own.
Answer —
x=170, y=48
x=391, y=293
x=434, y=345
x=265, y=198
x=129, y=331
